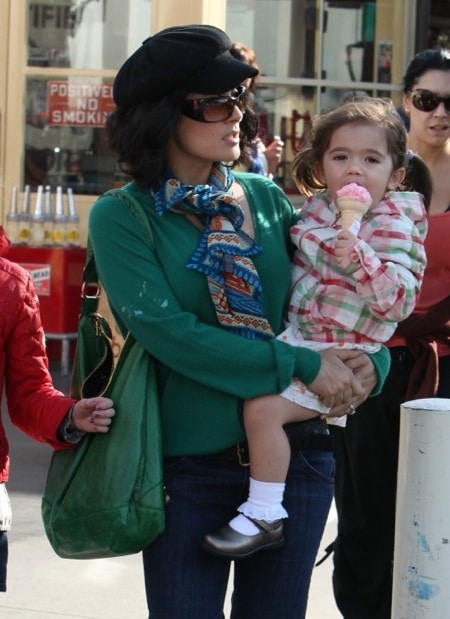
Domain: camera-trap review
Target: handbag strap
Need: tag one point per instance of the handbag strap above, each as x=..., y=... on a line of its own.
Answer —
x=90, y=294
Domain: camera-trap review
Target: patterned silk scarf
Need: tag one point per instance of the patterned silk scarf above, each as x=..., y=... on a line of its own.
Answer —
x=223, y=253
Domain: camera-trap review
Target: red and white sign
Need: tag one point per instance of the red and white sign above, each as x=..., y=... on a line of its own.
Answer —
x=41, y=274
x=78, y=104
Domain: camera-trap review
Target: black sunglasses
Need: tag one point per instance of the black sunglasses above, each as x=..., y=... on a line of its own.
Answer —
x=215, y=109
x=427, y=100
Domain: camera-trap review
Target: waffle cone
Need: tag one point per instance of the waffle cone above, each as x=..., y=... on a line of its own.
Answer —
x=348, y=217
x=351, y=210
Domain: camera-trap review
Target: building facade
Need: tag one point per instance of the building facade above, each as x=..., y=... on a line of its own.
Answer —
x=58, y=59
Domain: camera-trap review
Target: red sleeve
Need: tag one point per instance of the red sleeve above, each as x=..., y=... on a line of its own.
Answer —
x=34, y=405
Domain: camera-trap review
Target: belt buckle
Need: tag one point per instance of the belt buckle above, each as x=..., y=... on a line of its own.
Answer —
x=242, y=455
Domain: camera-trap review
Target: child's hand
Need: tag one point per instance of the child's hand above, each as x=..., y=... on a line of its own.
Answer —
x=345, y=242
x=93, y=414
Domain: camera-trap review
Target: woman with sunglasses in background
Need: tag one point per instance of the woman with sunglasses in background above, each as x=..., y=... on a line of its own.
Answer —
x=367, y=450
x=206, y=302
x=426, y=100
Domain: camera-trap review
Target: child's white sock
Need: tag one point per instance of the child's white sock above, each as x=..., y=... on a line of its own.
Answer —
x=264, y=503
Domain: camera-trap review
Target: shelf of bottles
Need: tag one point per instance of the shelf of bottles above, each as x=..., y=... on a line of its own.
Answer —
x=45, y=239
x=44, y=220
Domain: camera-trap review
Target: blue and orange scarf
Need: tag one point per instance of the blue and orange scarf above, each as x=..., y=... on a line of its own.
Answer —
x=224, y=250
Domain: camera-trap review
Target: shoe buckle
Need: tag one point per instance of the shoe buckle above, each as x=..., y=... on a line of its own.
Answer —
x=242, y=455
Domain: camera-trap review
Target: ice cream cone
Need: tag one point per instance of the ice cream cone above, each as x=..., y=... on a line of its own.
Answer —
x=352, y=201
x=351, y=212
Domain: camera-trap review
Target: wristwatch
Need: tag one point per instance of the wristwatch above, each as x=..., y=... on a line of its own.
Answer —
x=68, y=431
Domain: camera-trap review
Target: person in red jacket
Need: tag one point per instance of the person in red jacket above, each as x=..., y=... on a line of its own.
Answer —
x=34, y=405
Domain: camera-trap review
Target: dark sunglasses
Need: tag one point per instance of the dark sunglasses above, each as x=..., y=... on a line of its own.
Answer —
x=215, y=109
x=427, y=100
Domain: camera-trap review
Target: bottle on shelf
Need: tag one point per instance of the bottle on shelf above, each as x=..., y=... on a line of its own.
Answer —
x=12, y=219
x=48, y=217
x=59, y=221
x=73, y=222
x=37, y=220
x=24, y=218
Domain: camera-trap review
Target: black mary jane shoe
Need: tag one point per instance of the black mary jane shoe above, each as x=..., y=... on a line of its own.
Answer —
x=228, y=543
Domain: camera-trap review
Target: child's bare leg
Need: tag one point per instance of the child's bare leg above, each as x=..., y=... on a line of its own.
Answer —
x=259, y=523
x=269, y=448
x=269, y=453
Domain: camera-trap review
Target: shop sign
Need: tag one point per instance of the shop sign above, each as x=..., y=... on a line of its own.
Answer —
x=41, y=274
x=78, y=104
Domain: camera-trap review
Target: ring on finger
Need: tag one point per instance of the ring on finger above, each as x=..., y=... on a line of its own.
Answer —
x=351, y=410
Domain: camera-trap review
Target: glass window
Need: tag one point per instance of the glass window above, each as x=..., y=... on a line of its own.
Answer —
x=85, y=34
x=65, y=140
x=438, y=33
x=312, y=52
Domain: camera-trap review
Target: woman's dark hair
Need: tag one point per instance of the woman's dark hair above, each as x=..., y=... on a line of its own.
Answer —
x=246, y=54
x=377, y=111
x=139, y=135
x=436, y=59
x=418, y=178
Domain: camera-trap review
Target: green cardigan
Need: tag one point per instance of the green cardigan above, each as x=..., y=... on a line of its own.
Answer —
x=204, y=372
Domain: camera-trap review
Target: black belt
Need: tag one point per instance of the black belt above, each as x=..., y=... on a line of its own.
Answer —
x=299, y=440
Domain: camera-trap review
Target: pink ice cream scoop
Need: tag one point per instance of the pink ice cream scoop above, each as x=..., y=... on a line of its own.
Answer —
x=353, y=201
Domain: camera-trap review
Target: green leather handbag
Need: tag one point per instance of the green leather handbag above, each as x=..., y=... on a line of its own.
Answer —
x=105, y=497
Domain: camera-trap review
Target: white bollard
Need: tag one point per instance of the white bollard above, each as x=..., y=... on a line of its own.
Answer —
x=421, y=578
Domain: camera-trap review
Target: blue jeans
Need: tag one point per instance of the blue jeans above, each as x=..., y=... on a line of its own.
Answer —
x=183, y=580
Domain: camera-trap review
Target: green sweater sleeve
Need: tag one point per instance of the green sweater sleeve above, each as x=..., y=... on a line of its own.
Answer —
x=307, y=365
x=382, y=363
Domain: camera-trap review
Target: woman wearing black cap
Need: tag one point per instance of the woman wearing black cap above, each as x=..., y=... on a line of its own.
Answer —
x=206, y=302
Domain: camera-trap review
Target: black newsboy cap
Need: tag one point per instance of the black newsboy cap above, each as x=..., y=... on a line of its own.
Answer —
x=194, y=58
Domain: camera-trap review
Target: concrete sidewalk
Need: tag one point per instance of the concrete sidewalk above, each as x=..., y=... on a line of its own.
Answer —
x=43, y=586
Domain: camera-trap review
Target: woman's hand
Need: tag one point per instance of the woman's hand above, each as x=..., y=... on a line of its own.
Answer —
x=93, y=414
x=336, y=383
x=364, y=371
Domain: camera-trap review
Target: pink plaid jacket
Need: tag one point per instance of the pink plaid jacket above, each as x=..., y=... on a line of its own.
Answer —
x=362, y=301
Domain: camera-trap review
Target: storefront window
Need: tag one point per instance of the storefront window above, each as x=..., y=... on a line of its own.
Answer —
x=85, y=34
x=312, y=52
x=65, y=141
